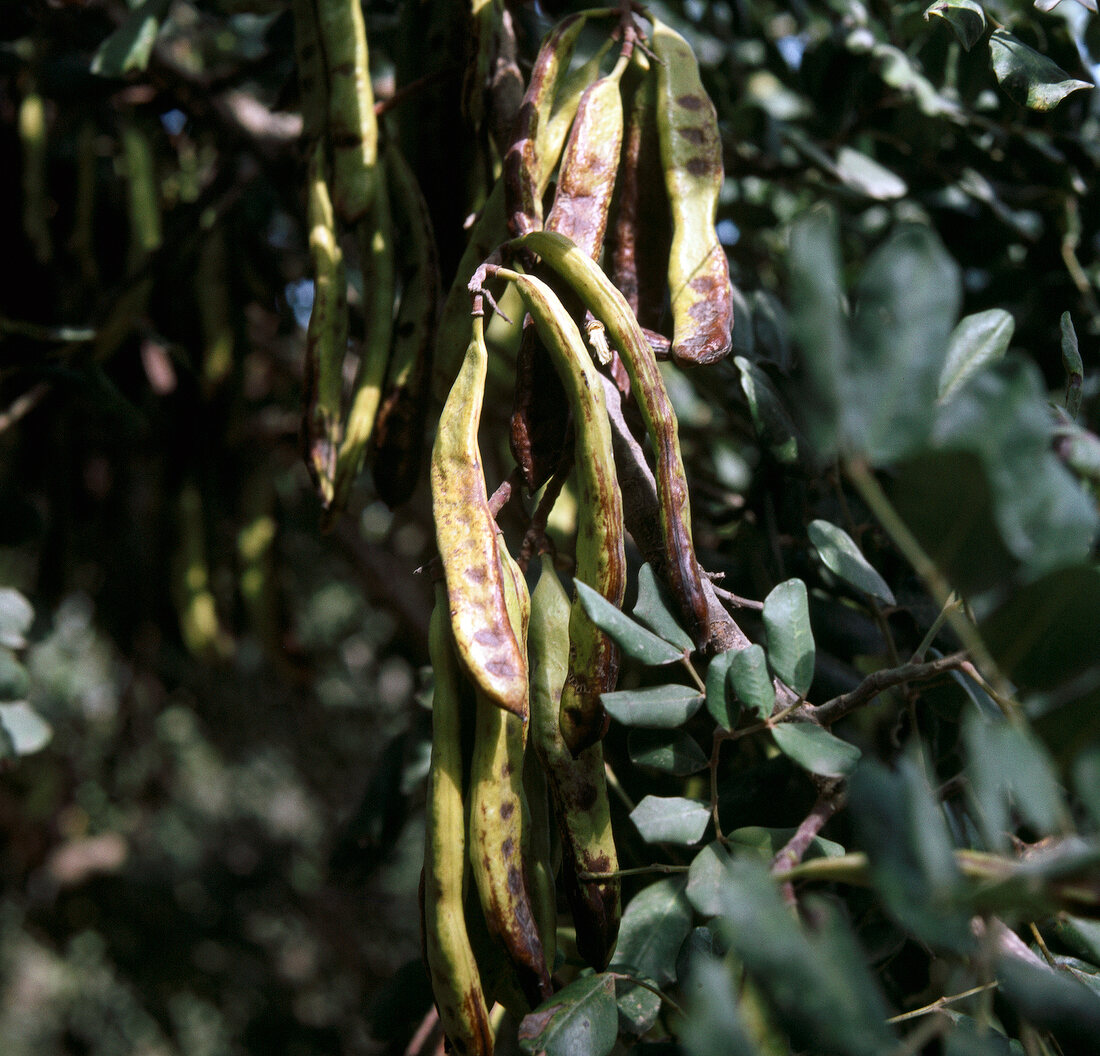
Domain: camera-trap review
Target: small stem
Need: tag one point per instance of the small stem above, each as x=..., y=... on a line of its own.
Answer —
x=735, y=600
x=953, y=602
x=613, y=784
x=699, y=683
x=640, y=870
x=942, y=1002
x=1041, y=943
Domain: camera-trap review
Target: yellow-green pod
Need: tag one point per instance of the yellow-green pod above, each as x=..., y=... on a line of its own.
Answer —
x=142, y=194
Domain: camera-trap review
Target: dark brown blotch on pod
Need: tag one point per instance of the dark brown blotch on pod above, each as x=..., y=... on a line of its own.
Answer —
x=694, y=135
x=692, y=102
x=507, y=810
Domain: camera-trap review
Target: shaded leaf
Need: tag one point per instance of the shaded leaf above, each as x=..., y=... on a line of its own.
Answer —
x=722, y=708
x=1028, y=77
x=130, y=46
x=638, y=1007
x=815, y=748
x=1080, y=935
x=712, y=1025
x=978, y=339
x=655, y=924
x=966, y=18
x=670, y=752
x=656, y=708
x=773, y=423
x=707, y=878
x=750, y=681
x=14, y=680
x=670, y=819
x=26, y=730
x=631, y=637
x=1051, y=1000
x=1073, y=364
x=16, y=617
x=790, y=640
x=652, y=610
x=1086, y=780
x=912, y=863
x=768, y=842
x=839, y=553
x=581, y=1019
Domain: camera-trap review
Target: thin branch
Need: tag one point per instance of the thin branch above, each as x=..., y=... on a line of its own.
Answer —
x=735, y=600
x=833, y=710
x=942, y=1002
x=828, y=803
x=23, y=405
x=640, y=870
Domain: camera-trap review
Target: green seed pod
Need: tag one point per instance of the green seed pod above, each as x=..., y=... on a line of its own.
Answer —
x=691, y=149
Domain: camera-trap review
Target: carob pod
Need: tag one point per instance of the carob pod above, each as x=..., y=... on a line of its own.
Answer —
x=466, y=535
x=352, y=127
x=326, y=335
x=399, y=426
x=540, y=413
x=578, y=787
x=600, y=558
x=691, y=149
x=499, y=817
x=452, y=966
x=607, y=304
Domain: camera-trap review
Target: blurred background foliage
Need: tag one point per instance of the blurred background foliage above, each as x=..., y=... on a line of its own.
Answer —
x=217, y=851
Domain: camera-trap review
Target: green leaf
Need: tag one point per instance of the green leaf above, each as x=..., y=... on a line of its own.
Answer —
x=712, y=1025
x=1027, y=77
x=631, y=637
x=768, y=842
x=790, y=640
x=750, y=681
x=966, y=18
x=655, y=924
x=842, y=557
x=668, y=751
x=16, y=617
x=1086, y=780
x=638, y=1007
x=1051, y=1001
x=773, y=423
x=818, y=981
x=900, y=826
x=1074, y=366
x=865, y=175
x=707, y=879
x=966, y=1038
x=722, y=708
x=14, y=681
x=670, y=819
x=1080, y=935
x=652, y=610
x=1010, y=770
x=816, y=749
x=129, y=47
x=656, y=708
x=581, y=1019
x=27, y=731
x=978, y=339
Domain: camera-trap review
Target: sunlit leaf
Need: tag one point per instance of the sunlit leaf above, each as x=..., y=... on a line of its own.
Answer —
x=843, y=558
x=655, y=924
x=632, y=638
x=581, y=1019
x=27, y=731
x=751, y=682
x=1028, y=77
x=667, y=751
x=707, y=879
x=977, y=340
x=790, y=639
x=130, y=46
x=656, y=708
x=651, y=610
x=16, y=617
x=670, y=819
x=865, y=175
x=815, y=748
x=966, y=18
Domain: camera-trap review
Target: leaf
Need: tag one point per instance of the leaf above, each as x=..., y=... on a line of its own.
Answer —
x=631, y=637
x=863, y=174
x=638, y=1007
x=1027, y=77
x=723, y=710
x=581, y=1019
x=14, y=681
x=1074, y=366
x=790, y=640
x=707, y=879
x=670, y=819
x=655, y=924
x=978, y=339
x=749, y=679
x=669, y=752
x=966, y=18
x=1086, y=780
x=712, y=1025
x=1080, y=935
x=652, y=610
x=657, y=708
x=1051, y=1001
x=768, y=842
x=27, y=731
x=842, y=557
x=16, y=617
x=1009, y=770
x=815, y=748
x=818, y=981
x=773, y=423
x=900, y=826
x=129, y=47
